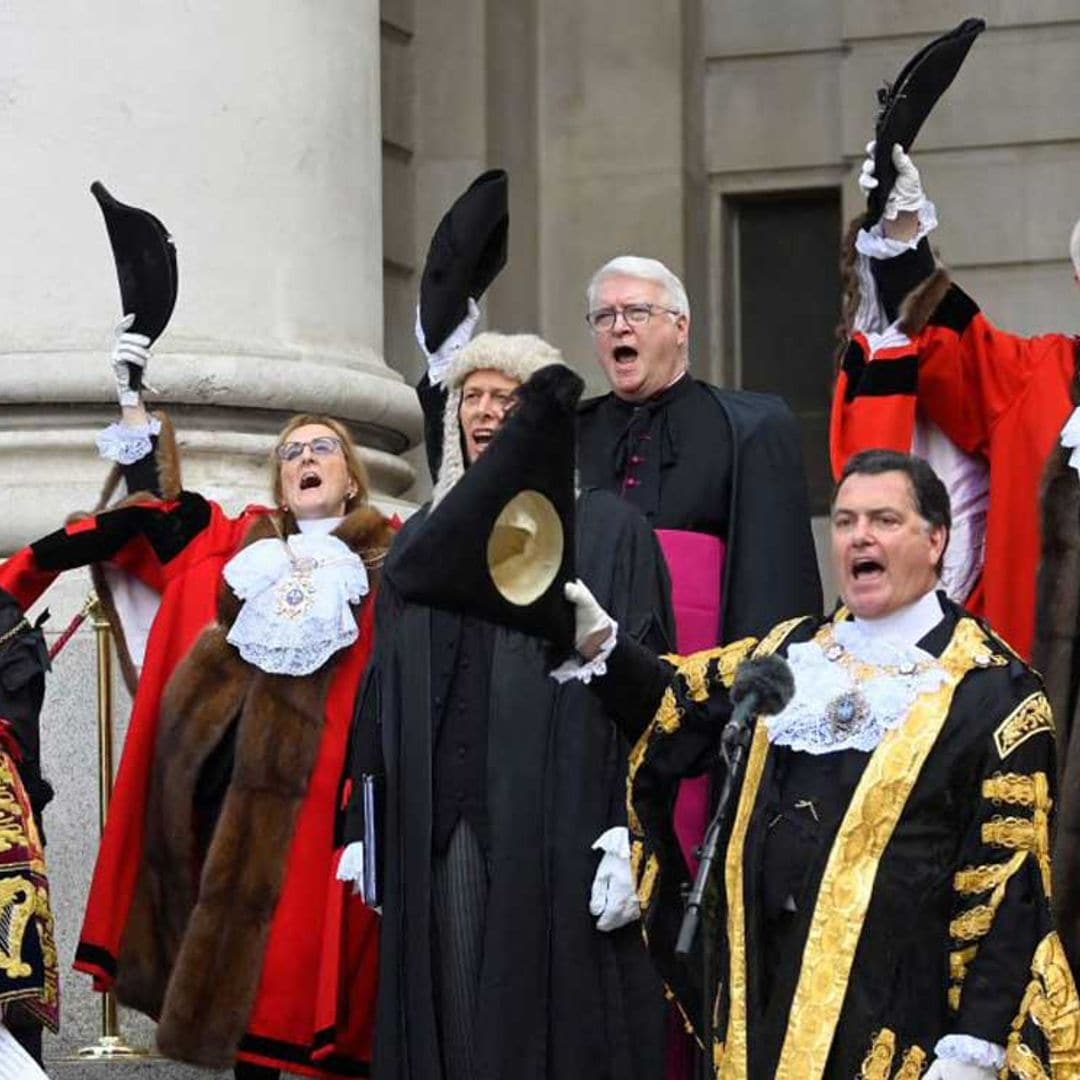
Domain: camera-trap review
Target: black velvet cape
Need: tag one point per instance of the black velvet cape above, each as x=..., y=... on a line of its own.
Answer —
x=558, y=1000
x=730, y=465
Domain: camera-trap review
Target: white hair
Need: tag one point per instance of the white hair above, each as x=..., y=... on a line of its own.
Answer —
x=636, y=266
x=1074, y=248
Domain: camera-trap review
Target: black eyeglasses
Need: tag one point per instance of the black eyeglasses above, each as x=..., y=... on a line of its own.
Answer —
x=321, y=446
x=635, y=315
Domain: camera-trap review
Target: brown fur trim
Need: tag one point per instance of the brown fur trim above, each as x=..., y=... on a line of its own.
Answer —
x=219, y=963
x=170, y=479
x=922, y=302
x=203, y=697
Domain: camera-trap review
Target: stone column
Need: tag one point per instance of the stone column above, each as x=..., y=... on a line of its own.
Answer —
x=253, y=131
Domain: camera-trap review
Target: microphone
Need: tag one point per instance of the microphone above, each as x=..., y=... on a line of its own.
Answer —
x=762, y=687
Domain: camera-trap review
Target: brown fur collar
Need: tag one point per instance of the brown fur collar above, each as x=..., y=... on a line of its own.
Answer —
x=922, y=302
x=192, y=954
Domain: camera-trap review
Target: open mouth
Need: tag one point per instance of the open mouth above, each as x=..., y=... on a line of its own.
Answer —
x=624, y=354
x=310, y=480
x=482, y=436
x=866, y=568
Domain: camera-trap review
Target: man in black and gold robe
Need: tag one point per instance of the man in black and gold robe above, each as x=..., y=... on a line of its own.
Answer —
x=883, y=884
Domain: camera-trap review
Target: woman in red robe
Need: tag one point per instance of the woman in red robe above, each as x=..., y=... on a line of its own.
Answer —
x=214, y=906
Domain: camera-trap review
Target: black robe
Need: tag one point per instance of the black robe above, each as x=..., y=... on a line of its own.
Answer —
x=558, y=1000
x=725, y=463
x=923, y=911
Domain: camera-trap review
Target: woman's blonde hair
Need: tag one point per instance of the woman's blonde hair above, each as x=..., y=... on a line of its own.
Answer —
x=357, y=472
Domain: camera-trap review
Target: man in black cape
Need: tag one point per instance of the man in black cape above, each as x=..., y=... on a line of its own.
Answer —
x=697, y=461
x=499, y=781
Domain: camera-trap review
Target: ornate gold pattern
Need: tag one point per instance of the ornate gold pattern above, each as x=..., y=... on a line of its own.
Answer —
x=648, y=881
x=17, y=902
x=848, y=881
x=1051, y=1002
x=13, y=822
x=1021, y=1060
x=960, y=960
x=1018, y=789
x=972, y=924
x=735, y=1059
x=972, y=880
x=954, y=998
x=1009, y=832
x=777, y=636
x=669, y=716
x=1030, y=717
x=911, y=1068
x=877, y=1065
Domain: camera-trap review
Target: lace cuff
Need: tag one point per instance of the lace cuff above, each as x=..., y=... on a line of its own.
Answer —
x=971, y=1051
x=439, y=361
x=874, y=243
x=585, y=670
x=125, y=444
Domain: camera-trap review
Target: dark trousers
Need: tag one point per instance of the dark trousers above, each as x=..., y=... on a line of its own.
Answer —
x=459, y=887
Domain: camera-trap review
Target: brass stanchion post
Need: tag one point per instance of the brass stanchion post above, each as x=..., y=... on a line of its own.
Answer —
x=110, y=1045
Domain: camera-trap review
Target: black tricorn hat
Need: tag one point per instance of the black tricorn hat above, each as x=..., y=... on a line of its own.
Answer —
x=500, y=544
x=907, y=103
x=468, y=249
x=145, y=262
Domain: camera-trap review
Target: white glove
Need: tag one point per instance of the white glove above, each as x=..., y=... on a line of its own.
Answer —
x=439, y=361
x=951, y=1069
x=907, y=192
x=128, y=348
x=614, y=900
x=592, y=624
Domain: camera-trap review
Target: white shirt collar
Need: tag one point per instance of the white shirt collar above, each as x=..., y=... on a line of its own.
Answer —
x=907, y=626
x=318, y=526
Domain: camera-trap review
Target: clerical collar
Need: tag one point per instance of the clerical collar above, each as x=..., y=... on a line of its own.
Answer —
x=318, y=526
x=678, y=386
x=907, y=626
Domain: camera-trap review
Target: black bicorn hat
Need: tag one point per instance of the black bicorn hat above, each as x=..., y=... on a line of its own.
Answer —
x=145, y=262
x=467, y=251
x=500, y=544
x=907, y=102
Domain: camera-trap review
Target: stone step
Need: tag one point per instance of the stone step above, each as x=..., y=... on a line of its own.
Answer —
x=115, y=1069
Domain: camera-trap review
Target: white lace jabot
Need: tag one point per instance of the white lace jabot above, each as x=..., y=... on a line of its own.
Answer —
x=857, y=680
x=298, y=595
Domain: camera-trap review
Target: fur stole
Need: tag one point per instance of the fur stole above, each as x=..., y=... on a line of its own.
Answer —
x=194, y=942
x=1056, y=654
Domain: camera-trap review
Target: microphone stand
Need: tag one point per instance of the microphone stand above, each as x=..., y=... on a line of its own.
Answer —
x=733, y=746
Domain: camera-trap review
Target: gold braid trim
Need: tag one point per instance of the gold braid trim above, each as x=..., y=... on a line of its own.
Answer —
x=911, y=1068
x=976, y=921
x=877, y=1065
x=972, y=880
x=1051, y=1002
x=648, y=881
x=954, y=998
x=1030, y=717
x=1023, y=834
x=972, y=924
x=777, y=636
x=1021, y=1061
x=960, y=960
x=1018, y=789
